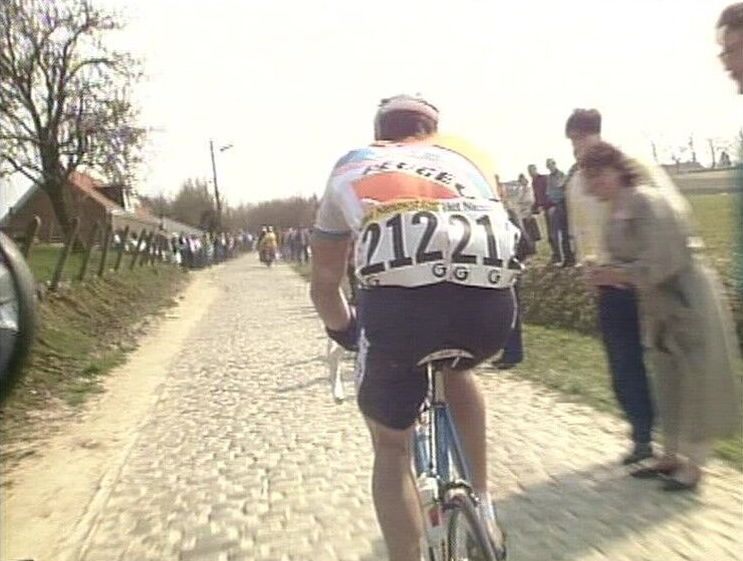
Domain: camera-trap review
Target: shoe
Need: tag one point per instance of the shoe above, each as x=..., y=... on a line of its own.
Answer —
x=639, y=452
x=496, y=534
x=653, y=472
x=501, y=364
x=685, y=478
x=505, y=365
x=673, y=485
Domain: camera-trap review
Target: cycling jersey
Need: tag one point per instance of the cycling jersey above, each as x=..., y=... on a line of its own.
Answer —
x=422, y=213
x=268, y=242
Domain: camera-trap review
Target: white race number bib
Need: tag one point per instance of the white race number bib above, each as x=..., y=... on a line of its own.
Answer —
x=469, y=243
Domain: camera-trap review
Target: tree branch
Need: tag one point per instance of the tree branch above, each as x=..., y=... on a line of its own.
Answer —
x=20, y=168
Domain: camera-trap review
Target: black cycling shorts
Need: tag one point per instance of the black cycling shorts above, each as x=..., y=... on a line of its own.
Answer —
x=399, y=326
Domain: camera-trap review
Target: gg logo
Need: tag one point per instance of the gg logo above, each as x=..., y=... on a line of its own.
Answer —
x=461, y=273
x=439, y=270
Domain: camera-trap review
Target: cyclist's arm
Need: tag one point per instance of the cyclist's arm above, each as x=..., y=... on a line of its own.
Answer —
x=330, y=243
x=329, y=257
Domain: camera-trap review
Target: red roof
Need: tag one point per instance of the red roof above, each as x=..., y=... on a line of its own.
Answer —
x=89, y=186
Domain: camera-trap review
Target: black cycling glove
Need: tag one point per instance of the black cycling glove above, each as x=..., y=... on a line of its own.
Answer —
x=348, y=337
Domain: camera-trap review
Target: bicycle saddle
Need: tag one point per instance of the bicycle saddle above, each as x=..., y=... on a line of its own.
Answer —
x=445, y=354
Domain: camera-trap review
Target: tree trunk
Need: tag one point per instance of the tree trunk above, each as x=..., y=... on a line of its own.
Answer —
x=58, y=196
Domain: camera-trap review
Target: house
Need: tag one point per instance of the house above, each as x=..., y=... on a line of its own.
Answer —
x=89, y=200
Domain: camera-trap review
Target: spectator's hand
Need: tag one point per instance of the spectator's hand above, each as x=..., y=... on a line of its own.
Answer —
x=348, y=337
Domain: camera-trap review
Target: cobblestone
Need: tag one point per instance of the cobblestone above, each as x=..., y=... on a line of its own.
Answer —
x=246, y=457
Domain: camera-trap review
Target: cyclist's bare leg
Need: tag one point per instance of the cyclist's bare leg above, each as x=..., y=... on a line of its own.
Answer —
x=468, y=408
x=395, y=494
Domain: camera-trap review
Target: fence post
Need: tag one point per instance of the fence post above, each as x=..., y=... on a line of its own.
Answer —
x=89, y=250
x=31, y=232
x=137, y=249
x=122, y=247
x=104, y=255
x=65, y=254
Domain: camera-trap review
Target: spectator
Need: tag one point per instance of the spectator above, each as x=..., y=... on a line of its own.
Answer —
x=519, y=201
x=560, y=238
x=520, y=197
x=730, y=29
x=617, y=305
x=541, y=202
x=305, y=244
x=686, y=320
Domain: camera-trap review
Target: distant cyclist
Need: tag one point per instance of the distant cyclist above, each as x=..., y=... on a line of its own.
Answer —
x=268, y=246
x=433, y=246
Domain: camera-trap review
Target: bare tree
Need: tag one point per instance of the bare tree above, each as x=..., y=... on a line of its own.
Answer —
x=194, y=205
x=691, y=148
x=63, y=96
x=654, y=147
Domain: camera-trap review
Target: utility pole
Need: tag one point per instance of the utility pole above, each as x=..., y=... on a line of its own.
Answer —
x=216, y=188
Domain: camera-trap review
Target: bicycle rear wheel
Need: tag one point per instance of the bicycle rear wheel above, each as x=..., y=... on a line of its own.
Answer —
x=467, y=536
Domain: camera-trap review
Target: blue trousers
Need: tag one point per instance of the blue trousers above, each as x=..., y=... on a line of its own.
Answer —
x=620, y=329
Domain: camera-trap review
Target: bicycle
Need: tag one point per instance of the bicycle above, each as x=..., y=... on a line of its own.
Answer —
x=454, y=527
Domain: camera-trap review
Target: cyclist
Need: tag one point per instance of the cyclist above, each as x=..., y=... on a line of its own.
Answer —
x=268, y=245
x=433, y=249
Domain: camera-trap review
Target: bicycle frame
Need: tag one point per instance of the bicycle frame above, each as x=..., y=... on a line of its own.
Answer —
x=432, y=454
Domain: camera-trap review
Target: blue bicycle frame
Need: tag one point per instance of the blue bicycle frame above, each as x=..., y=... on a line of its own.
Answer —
x=436, y=443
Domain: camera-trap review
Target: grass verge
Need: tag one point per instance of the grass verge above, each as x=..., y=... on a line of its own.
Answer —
x=84, y=331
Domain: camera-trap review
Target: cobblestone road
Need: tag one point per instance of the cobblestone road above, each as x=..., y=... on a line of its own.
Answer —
x=246, y=457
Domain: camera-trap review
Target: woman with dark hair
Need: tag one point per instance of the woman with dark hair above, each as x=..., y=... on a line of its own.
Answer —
x=686, y=322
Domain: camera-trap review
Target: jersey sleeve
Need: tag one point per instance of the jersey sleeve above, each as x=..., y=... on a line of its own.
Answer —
x=330, y=221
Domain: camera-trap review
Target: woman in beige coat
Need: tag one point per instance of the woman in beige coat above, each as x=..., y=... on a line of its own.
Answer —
x=687, y=326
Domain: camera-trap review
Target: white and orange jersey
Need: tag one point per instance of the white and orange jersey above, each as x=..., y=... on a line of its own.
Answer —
x=422, y=212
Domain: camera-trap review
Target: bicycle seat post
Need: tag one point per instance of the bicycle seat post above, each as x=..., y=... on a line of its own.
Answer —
x=436, y=379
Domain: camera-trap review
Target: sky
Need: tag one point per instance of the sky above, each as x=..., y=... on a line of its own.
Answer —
x=293, y=84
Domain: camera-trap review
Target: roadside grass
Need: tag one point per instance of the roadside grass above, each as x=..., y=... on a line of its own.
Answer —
x=43, y=262
x=716, y=220
x=85, y=330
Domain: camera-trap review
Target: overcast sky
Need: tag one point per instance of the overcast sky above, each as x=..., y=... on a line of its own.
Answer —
x=293, y=84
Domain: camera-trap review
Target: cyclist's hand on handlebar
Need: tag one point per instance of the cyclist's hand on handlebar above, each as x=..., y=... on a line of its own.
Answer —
x=348, y=336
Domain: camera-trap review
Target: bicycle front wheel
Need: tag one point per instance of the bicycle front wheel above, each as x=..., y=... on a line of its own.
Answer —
x=467, y=536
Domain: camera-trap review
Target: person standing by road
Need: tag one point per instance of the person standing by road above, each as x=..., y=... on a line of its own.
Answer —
x=688, y=329
x=730, y=33
x=541, y=201
x=617, y=305
x=560, y=237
